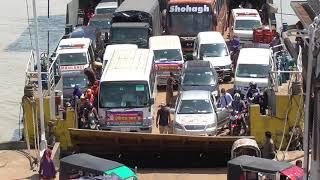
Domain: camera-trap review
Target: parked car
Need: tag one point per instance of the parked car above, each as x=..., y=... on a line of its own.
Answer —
x=253, y=66
x=196, y=114
x=106, y=7
x=199, y=75
x=211, y=46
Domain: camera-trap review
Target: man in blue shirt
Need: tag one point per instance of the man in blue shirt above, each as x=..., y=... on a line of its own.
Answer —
x=225, y=99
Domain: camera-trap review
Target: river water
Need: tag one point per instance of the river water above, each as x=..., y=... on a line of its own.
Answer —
x=15, y=47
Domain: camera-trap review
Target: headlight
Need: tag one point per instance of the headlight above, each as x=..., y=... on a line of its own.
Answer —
x=178, y=126
x=147, y=121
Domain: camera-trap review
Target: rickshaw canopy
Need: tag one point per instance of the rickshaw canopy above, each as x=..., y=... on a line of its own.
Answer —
x=94, y=165
x=249, y=163
x=245, y=143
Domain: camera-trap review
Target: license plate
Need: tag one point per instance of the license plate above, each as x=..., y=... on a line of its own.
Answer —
x=124, y=129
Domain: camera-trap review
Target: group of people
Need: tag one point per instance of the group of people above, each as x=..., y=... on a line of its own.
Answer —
x=238, y=104
x=86, y=102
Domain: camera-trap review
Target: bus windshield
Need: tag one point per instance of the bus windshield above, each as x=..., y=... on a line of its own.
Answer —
x=124, y=94
x=189, y=23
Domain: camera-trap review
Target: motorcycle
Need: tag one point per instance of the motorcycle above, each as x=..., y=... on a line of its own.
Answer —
x=90, y=122
x=235, y=123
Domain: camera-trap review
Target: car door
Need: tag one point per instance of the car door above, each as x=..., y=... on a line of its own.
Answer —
x=222, y=114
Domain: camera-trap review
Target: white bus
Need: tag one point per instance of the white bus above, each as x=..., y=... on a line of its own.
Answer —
x=127, y=91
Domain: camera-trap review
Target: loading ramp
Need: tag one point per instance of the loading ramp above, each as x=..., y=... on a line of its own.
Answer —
x=153, y=150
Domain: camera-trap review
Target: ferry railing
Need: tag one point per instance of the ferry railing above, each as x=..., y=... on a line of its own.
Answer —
x=276, y=72
x=31, y=74
x=47, y=77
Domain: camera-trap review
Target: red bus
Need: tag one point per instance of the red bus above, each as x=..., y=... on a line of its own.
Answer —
x=186, y=18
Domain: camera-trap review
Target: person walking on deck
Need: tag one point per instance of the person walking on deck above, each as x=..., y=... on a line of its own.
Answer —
x=169, y=89
x=163, y=119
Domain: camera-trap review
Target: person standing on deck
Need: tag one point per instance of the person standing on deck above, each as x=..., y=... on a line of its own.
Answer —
x=169, y=89
x=47, y=168
x=268, y=150
x=225, y=98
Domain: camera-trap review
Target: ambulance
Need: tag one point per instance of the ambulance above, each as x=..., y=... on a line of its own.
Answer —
x=242, y=23
x=75, y=54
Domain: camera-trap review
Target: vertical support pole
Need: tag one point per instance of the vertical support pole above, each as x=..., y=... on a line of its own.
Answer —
x=43, y=142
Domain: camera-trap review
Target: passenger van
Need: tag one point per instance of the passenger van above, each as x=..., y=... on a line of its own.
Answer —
x=242, y=23
x=253, y=65
x=127, y=91
x=77, y=52
x=167, y=55
x=110, y=49
x=211, y=46
x=106, y=7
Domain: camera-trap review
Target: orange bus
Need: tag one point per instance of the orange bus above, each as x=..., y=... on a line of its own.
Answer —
x=186, y=18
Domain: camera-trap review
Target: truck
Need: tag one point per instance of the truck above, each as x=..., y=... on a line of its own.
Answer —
x=134, y=23
x=78, y=11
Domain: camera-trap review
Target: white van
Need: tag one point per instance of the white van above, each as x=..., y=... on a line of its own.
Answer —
x=110, y=49
x=167, y=55
x=75, y=54
x=127, y=91
x=242, y=23
x=106, y=7
x=211, y=46
x=253, y=65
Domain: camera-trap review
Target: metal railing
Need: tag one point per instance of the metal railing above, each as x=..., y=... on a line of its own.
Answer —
x=275, y=72
x=47, y=77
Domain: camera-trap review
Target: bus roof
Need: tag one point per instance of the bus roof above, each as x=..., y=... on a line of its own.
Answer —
x=254, y=56
x=209, y=37
x=129, y=65
x=164, y=42
x=110, y=49
x=191, y=1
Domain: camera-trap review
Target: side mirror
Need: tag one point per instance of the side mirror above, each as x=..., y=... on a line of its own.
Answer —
x=152, y=101
x=194, y=55
x=172, y=110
